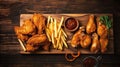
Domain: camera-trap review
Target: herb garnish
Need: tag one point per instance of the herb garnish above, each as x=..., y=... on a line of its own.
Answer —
x=105, y=20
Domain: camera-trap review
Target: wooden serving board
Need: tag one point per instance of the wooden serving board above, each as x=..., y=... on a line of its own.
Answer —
x=83, y=19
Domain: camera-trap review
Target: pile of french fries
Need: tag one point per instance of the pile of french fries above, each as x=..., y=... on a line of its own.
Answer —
x=55, y=33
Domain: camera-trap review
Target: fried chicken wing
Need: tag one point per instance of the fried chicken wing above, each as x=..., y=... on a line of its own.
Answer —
x=91, y=26
x=39, y=22
x=101, y=29
x=85, y=41
x=76, y=37
x=46, y=45
x=16, y=30
x=35, y=19
x=103, y=43
x=31, y=48
x=27, y=28
x=95, y=47
x=20, y=36
x=80, y=38
x=37, y=39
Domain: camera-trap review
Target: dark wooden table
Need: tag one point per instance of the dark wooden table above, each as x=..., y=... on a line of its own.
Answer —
x=10, y=11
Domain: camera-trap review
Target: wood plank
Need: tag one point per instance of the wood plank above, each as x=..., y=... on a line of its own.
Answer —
x=9, y=42
x=4, y=12
x=10, y=49
x=5, y=21
x=7, y=28
x=8, y=39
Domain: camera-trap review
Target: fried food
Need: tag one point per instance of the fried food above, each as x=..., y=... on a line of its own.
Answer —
x=27, y=28
x=103, y=43
x=91, y=26
x=37, y=39
x=80, y=38
x=39, y=22
x=101, y=29
x=76, y=37
x=19, y=35
x=31, y=48
x=16, y=30
x=32, y=33
x=95, y=47
x=73, y=56
x=35, y=19
x=85, y=41
x=22, y=37
x=46, y=45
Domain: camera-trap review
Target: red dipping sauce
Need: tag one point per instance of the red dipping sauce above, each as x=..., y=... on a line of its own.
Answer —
x=71, y=23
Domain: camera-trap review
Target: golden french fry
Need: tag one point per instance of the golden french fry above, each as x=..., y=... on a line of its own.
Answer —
x=55, y=28
x=60, y=46
x=58, y=40
x=53, y=40
x=21, y=43
x=48, y=34
x=60, y=24
x=64, y=33
x=51, y=27
x=62, y=38
x=51, y=19
x=48, y=21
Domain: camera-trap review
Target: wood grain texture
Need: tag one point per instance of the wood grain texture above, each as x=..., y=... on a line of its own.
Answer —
x=10, y=11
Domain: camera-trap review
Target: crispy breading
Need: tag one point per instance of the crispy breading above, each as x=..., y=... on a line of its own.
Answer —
x=91, y=26
x=31, y=48
x=77, y=37
x=95, y=47
x=27, y=28
x=19, y=35
x=85, y=41
x=39, y=21
x=102, y=30
x=103, y=43
x=37, y=39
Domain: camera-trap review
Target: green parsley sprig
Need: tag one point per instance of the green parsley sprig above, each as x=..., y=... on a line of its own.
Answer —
x=105, y=20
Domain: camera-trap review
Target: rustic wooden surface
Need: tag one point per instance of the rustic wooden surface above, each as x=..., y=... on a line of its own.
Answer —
x=10, y=11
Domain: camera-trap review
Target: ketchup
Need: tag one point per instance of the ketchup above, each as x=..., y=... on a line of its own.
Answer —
x=71, y=23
